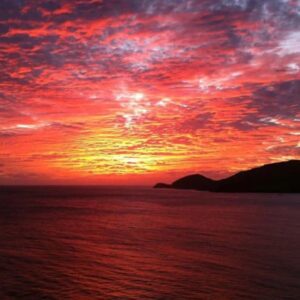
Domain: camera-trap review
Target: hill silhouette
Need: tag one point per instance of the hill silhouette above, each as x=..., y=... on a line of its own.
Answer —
x=196, y=182
x=282, y=177
x=161, y=185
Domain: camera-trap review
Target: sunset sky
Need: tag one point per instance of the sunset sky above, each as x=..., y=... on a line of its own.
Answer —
x=140, y=91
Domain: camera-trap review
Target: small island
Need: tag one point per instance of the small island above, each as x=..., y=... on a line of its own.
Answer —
x=282, y=177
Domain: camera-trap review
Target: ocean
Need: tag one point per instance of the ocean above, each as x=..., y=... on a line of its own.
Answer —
x=143, y=243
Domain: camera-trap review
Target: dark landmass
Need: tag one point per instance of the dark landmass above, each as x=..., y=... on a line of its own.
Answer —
x=282, y=177
x=162, y=186
x=194, y=182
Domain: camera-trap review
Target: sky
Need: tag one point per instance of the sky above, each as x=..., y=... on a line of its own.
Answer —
x=140, y=91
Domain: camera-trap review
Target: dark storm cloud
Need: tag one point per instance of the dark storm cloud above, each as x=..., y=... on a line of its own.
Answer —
x=51, y=5
x=21, y=40
x=4, y=28
x=97, y=9
x=218, y=16
x=272, y=104
x=10, y=8
x=282, y=99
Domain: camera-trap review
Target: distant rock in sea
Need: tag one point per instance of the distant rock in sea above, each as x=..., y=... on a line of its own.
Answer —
x=282, y=177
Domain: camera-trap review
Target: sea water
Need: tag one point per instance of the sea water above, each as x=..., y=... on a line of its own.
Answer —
x=143, y=243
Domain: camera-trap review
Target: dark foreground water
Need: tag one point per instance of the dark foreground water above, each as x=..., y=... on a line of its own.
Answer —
x=127, y=243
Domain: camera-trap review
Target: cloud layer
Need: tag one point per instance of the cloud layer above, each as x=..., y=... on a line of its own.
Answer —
x=136, y=90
